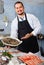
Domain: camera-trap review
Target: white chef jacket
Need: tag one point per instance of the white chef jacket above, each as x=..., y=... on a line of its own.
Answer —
x=32, y=20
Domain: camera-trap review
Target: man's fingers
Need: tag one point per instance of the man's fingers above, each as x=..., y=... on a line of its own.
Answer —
x=23, y=38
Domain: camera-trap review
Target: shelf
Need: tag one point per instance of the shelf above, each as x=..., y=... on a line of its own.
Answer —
x=1, y=30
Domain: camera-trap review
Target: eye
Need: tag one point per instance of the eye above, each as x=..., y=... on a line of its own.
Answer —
x=16, y=7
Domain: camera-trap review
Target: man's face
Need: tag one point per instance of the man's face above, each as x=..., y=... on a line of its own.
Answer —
x=19, y=9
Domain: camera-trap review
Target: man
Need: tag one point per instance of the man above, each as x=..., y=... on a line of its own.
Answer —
x=25, y=27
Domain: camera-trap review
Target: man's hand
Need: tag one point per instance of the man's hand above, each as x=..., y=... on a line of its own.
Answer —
x=27, y=36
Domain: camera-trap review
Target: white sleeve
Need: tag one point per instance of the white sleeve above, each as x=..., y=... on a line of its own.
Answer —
x=14, y=29
x=37, y=26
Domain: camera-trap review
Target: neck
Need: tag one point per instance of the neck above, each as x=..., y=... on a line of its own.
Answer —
x=21, y=15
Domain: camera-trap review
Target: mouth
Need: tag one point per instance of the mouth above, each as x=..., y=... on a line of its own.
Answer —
x=20, y=12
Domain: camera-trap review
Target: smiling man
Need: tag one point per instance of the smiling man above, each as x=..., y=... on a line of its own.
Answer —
x=25, y=27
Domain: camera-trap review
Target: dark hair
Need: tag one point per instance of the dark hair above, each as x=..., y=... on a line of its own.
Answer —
x=18, y=2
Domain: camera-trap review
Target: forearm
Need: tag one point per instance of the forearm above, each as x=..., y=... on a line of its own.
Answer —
x=28, y=35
